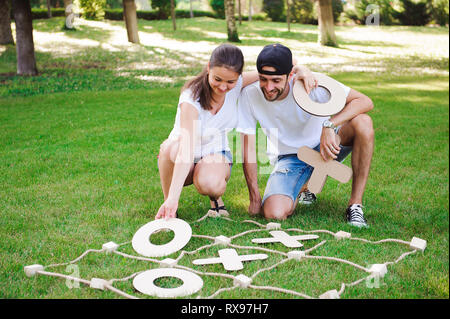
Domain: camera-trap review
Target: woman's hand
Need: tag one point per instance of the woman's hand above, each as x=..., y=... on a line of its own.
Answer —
x=168, y=209
x=303, y=73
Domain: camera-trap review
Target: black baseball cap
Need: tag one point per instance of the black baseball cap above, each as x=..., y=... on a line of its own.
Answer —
x=277, y=56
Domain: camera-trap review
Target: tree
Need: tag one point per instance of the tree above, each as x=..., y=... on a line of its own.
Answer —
x=231, y=21
x=5, y=22
x=49, y=9
x=26, y=61
x=239, y=12
x=326, y=23
x=130, y=17
x=172, y=13
x=288, y=15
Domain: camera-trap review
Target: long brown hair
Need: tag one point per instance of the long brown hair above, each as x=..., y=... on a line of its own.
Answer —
x=225, y=55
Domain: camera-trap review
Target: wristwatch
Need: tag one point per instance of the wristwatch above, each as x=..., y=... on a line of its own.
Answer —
x=328, y=124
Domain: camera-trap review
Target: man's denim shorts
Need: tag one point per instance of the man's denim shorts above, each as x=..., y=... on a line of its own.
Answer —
x=290, y=174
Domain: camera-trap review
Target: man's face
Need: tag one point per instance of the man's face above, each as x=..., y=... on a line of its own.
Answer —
x=273, y=86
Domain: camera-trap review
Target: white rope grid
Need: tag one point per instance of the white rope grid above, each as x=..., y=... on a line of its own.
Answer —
x=109, y=283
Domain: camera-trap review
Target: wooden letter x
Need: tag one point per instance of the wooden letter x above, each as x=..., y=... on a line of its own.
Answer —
x=230, y=259
x=279, y=236
x=322, y=169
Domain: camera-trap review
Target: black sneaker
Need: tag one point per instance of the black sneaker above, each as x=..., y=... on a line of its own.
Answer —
x=307, y=198
x=355, y=216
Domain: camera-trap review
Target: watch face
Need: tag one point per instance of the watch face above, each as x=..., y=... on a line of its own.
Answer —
x=327, y=123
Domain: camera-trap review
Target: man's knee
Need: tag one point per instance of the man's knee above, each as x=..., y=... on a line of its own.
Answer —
x=277, y=207
x=363, y=126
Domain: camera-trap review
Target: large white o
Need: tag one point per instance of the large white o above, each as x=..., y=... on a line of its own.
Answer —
x=333, y=106
x=141, y=240
x=144, y=282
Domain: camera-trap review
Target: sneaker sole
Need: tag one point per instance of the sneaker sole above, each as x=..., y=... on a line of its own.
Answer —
x=359, y=225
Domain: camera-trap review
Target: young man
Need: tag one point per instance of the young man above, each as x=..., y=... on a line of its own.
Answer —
x=270, y=103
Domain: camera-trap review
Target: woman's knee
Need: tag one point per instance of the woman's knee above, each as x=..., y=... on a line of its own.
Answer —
x=168, y=150
x=210, y=185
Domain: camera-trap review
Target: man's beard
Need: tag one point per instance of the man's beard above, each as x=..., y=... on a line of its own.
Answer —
x=276, y=96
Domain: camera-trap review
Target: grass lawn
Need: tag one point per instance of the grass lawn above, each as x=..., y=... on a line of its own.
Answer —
x=79, y=145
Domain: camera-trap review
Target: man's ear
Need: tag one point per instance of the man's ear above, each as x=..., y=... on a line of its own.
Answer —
x=207, y=67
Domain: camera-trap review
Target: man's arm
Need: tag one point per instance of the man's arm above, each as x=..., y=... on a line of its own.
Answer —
x=357, y=103
x=250, y=167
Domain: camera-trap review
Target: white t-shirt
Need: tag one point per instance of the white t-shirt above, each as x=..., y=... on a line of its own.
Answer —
x=285, y=124
x=211, y=129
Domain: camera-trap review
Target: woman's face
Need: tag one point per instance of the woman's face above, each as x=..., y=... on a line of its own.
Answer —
x=222, y=79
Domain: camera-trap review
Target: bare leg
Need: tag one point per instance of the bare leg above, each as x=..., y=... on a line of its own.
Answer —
x=278, y=207
x=359, y=133
x=210, y=177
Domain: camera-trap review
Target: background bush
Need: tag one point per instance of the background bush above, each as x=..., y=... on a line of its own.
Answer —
x=91, y=9
x=439, y=11
x=218, y=7
x=162, y=7
x=414, y=13
x=274, y=9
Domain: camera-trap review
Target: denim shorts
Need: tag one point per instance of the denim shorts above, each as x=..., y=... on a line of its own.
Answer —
x=290, y=174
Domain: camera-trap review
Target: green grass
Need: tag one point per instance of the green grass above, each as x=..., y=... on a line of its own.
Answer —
x=78, y=169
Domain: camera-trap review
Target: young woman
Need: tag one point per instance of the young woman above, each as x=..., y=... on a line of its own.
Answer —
x=196, y=151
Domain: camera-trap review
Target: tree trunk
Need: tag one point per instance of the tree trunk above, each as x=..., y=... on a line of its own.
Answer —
x=49, y=9
x=5, y=22
x=191, y=11
x=172, y=12
x=68, y=12
x=250, y=10
x=240, y=12
x=326, y=23
x=288, y=15
x=26, y=61
x=130, y=17
x=231, y=21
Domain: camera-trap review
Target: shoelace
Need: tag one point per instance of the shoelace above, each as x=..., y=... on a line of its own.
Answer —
x=308, y=196
x=356, y=214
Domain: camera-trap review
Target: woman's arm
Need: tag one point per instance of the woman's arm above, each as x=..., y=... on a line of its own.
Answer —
x=249, y=77
x=183, y=161
x=301, y=72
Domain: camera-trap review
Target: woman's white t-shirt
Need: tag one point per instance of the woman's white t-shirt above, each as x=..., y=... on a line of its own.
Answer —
x=212, y=129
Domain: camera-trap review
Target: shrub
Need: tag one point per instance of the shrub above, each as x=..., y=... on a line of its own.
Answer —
x=92, y=9
x=338, y=8
x=440, y=11
x=303, y=11
x=418, y=13
x=385, y=10
x=218, y=7
x=117, y=14
x=163, y=8
x=274, y=9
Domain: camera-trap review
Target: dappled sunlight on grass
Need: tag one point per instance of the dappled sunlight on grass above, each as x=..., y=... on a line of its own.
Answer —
x=180, y=54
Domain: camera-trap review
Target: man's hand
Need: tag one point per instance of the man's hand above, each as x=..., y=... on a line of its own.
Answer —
x=329, y=144
x=168, y=209
x=255, y=206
